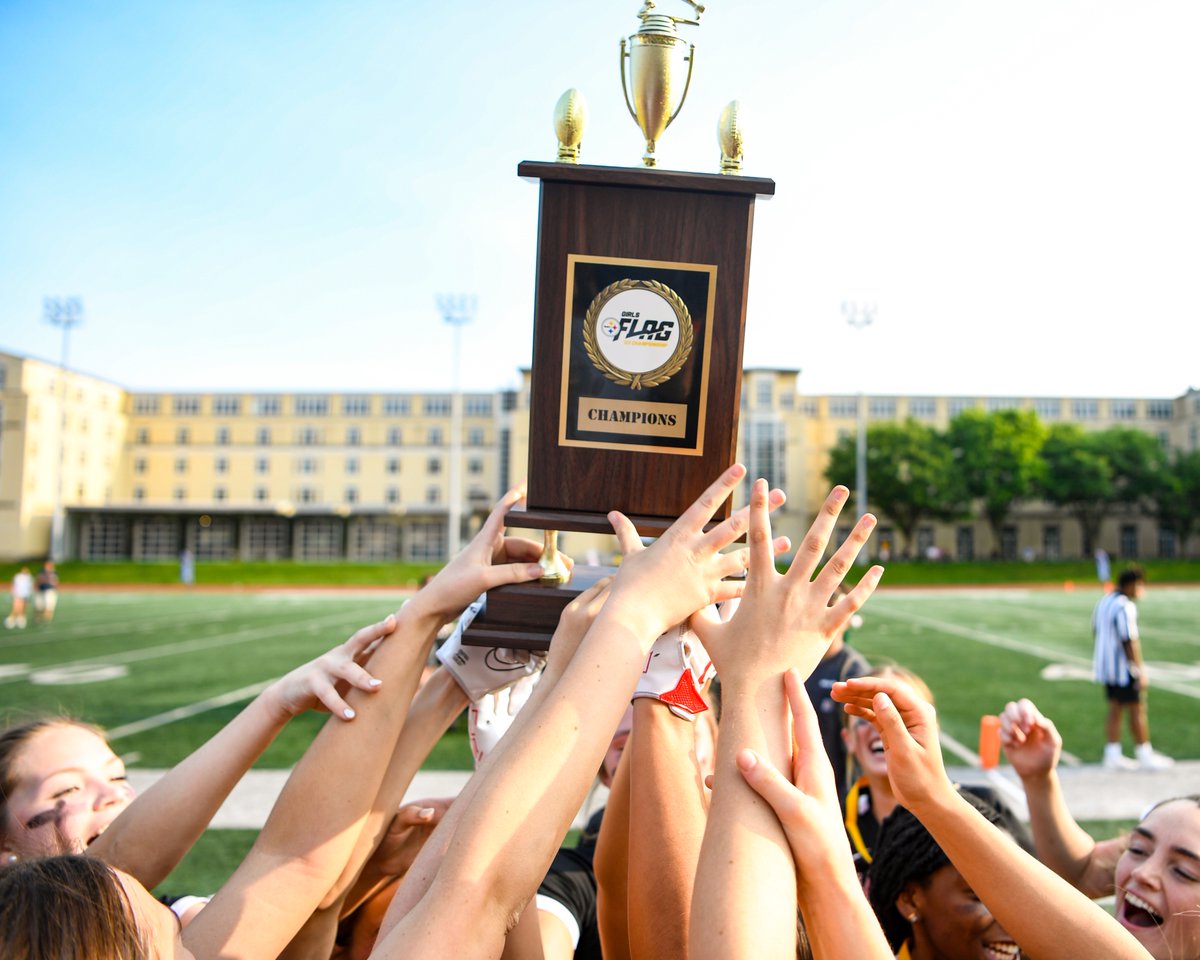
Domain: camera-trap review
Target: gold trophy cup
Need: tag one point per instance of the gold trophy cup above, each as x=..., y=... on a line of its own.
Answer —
x=656, y=55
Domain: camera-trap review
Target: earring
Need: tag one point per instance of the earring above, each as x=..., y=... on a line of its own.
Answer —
x=9, y=858
x=913, y=917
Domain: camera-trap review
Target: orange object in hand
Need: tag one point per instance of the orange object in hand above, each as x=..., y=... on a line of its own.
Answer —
x=989, y=741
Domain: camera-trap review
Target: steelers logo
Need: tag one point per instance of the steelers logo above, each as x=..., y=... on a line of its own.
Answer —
x=610, y=328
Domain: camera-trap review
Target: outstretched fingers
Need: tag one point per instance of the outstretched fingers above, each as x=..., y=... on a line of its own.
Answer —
x=812, y=547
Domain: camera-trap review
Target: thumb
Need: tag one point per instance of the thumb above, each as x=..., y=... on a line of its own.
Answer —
x=627, y=535
x=891, y=725
x=766, y=781
x=512, y=573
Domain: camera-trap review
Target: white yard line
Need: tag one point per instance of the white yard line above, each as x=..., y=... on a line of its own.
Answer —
x=1054, y=654
x=189, y=710
x=190, y=646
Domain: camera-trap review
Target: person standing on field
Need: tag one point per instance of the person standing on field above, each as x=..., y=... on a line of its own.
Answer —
x=22, y=588
x=1119, y=666
x=46, y=599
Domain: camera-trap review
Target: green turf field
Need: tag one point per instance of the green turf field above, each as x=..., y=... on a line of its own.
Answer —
x=164, y=670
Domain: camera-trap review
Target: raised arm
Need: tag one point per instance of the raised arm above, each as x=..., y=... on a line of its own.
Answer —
x=746, y=895
x=1033, y=746
x=154, y=833
x=1049, y=918
x=321, y=812
x=535, y=781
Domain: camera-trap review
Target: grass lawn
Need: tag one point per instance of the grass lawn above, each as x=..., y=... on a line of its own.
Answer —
x=127, y=659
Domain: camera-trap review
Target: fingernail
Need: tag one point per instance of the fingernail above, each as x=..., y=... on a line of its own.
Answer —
x=747, y=760
x=425, y=812
x=348, y=713
x=374, y=682
x=534, y=570
x=884, y=702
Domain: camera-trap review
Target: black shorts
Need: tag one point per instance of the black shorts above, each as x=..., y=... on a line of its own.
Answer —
x=1126, y=693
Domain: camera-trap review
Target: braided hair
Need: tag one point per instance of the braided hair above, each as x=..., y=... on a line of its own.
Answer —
x=906, y=853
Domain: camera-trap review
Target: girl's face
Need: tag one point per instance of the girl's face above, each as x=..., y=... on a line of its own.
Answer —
x=953, y=923
x=864, y=741
x=1158, y=882
x=70, y=787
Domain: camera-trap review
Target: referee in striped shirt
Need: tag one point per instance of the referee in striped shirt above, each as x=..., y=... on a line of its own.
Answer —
x=1119, y=666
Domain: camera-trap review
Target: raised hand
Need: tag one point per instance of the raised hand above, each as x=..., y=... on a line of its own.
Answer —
x=907, y=723
x=320, y=683
x=784, y=620
x=1031, y=742
x=574, y=622
x=489, y=560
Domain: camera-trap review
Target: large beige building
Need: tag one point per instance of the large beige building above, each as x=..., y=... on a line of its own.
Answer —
x=367, y=476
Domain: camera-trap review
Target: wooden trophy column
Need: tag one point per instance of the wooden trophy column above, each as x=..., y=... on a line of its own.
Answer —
x=640, y=311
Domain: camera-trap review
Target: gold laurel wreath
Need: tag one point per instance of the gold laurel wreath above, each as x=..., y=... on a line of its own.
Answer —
x=660, y=374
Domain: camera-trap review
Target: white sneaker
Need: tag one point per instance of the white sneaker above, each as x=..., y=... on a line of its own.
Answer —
x=1120, y=762
x=676, y=671
x=483, y=670
x=1153, y=760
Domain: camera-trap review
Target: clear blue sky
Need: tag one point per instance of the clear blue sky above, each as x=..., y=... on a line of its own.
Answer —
x=270, y=195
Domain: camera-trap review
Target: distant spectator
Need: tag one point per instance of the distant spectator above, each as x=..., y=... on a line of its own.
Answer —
x=1103, y=567
x=187, y=567
x=46, y=598
x=22, y=588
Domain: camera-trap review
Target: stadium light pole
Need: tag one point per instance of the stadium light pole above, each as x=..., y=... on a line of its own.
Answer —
x=457, y=311
x=860, y=317
x=64, y=313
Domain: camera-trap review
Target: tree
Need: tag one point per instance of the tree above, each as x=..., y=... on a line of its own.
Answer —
x=909, y=474
x=997, y=459
x=1176, y=497
x=1077, y=478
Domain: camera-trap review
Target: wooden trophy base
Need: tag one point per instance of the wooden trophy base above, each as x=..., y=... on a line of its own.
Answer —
x=524, y=616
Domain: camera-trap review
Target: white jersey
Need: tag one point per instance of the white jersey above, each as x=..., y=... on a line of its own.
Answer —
x=22, y=586
x=1114, y=621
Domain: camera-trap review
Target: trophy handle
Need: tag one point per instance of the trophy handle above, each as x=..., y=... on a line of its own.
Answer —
x=625, y=86
x=691, y=61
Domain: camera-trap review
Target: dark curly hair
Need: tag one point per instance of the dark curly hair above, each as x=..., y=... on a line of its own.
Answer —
x=906, y=853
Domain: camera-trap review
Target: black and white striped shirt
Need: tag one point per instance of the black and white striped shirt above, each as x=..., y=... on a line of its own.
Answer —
x=1114, y=621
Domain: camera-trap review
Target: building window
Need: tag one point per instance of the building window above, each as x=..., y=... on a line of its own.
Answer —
x=306, y=495
x=186, y=406
x=958, y=405
x=1166, y=543
x=883, y=407
x=266, y=406
x=139, y=493
x=181, y=464
x=433, y=465
x=764, y=446
x=308, y=436
x=475, y=466
x=393, y=465
x=260, y=494
x=1129, y=540
x=1008, y=542
x=220, y=493
x=142, y=436
x=307, y=465
x=263, y=436
x=183, y=436
x=352, y=494
x=842, y=407
x=139, y=465
x=475, y=437
x=436, y=406
x=477, y=406
x=352, y=464
x=1160, y=409
x=356, y=406
x=395, y=406
x=318, y=538
x=179, y=493
x=1122, y=409
x=1085, y=409
x=964, y=543
x=392, y=495
x=311, y=406
x=925, y=408
x=394, y=437
x=1047, y=408
x=222, y=436
x=435, y=437
x=995, y=404
x=145, y=404
x=808, y=407
x=1052, y=542
x=227, y=406
x=426, y=540
x=433, y=495
x=763, y=393
x=925, y=543
x=353, y=436
x=221, y=465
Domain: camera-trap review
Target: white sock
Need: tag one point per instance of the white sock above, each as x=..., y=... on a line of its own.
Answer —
x=1112, y=749
x=1143, y=750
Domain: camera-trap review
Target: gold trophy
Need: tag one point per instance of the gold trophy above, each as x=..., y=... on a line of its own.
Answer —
x=656, y=56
